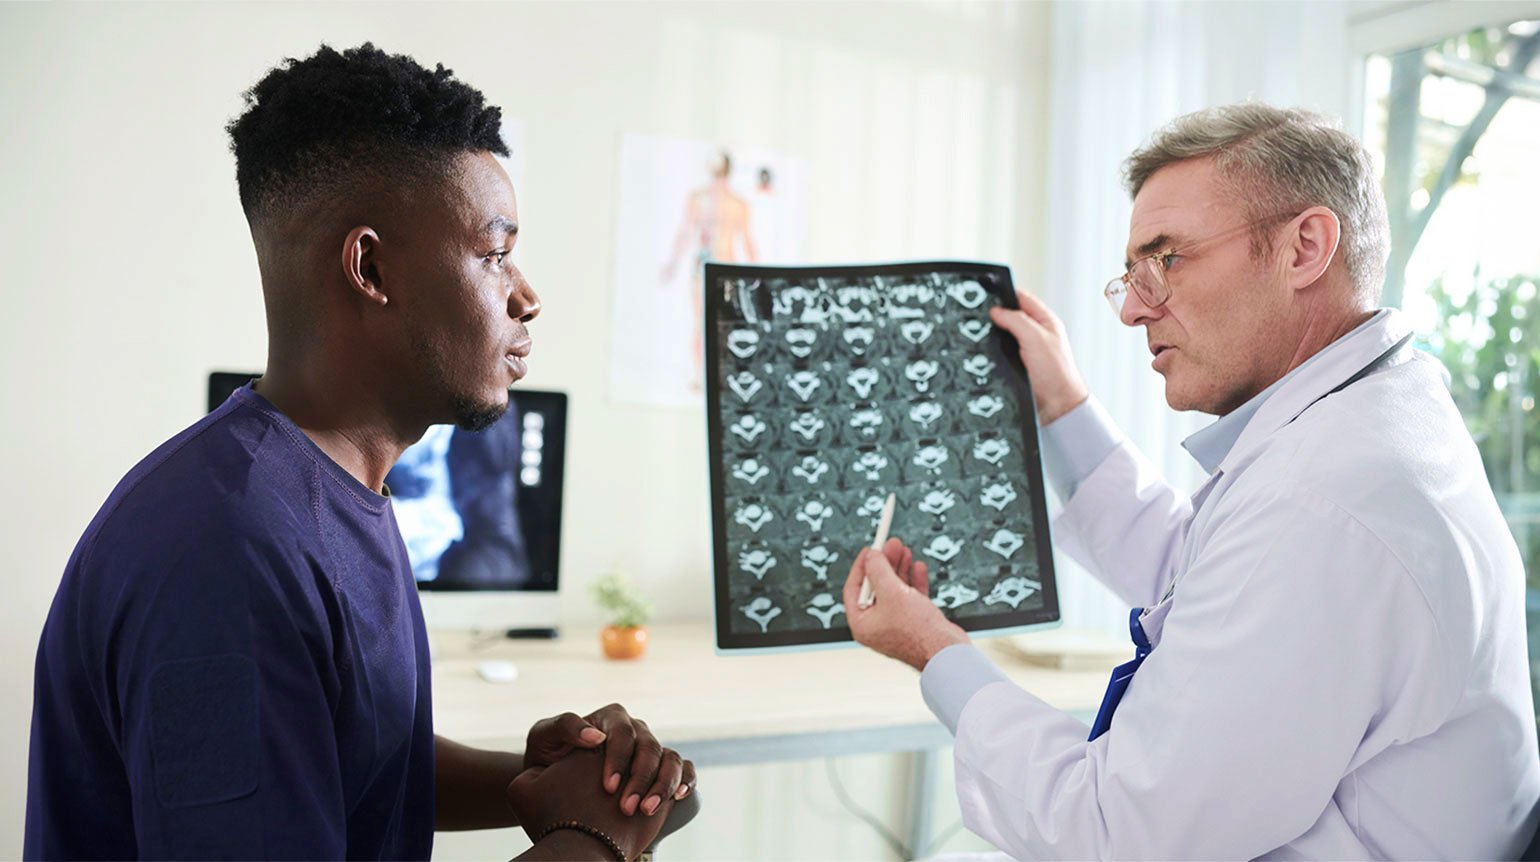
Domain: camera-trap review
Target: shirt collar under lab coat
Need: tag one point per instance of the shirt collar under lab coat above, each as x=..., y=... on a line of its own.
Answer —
x=1280, y=403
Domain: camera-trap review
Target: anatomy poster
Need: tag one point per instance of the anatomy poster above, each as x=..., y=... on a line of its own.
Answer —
x=832, y=387
x=684, y=203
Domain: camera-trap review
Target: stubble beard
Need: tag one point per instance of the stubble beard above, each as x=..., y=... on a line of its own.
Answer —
x=470, y=413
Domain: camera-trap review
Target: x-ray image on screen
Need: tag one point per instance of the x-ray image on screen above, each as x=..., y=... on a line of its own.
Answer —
x=455, y=494
x=481, y=510
x=835, y=386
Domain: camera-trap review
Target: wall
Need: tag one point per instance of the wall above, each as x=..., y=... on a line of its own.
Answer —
x=127, y=272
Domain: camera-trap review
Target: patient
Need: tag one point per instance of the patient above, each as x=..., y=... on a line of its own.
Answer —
x=235, y=665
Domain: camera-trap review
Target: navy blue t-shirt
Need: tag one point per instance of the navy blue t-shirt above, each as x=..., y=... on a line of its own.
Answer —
x=235, y=665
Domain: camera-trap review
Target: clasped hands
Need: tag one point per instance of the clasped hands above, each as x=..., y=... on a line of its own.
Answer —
x=606, y=769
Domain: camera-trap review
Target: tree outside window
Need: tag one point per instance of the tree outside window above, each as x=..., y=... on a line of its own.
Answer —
x=1455, y=127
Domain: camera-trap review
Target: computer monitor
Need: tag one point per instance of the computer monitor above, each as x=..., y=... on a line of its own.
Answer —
x=480, y=513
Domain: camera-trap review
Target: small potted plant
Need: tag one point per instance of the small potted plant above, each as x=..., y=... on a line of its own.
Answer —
x=627, y=613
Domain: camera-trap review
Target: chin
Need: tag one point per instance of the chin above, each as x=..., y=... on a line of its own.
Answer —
x=1212, y=403
x=479, y=414
x=1180, y=399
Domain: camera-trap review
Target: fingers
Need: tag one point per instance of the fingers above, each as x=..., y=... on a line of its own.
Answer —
x=576, y=731
x=653, y=776
x=646, y=757
x=900, y=557
x=1017, y=323
x=1034, y=320
x=551, y=738
x=896, y=560
x=879, y=572
x=1037, y=310
x=686, y=781
x=666, y=785
x=919, y=578
x=851, y=595
x=618, y=746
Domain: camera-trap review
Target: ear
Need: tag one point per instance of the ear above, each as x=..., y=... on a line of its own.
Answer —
x=361, y=267
x=1312, y=245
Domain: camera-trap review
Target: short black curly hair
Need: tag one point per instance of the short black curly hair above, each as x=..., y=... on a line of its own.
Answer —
x=311, y=124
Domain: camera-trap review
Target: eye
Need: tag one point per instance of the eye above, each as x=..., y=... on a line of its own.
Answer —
x=1168, y=260
x=497, y=256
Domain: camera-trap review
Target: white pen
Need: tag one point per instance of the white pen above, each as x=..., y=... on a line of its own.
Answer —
x=883, y=525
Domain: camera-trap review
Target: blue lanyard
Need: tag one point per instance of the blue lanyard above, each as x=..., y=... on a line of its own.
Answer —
x=1122, y=675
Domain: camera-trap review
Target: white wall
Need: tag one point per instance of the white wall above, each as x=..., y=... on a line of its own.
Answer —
x=127, y=273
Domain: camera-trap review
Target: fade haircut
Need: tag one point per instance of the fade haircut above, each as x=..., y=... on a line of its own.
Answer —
x=313, y=126
x=1273, y=160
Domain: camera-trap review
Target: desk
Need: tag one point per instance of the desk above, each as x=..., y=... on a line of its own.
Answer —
x=723, y=710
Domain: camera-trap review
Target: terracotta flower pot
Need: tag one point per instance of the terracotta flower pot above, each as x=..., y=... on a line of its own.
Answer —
x=628, y=642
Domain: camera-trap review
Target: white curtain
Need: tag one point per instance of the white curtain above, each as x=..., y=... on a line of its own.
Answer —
x=1121, y=70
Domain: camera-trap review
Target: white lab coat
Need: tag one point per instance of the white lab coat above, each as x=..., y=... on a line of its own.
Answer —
x=1341, y=671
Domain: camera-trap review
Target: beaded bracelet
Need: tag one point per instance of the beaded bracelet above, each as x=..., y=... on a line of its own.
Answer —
x=594, y=832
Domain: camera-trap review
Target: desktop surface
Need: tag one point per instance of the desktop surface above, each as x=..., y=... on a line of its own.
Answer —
x=780, y=706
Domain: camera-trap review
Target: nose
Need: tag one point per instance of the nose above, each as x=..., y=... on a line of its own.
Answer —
x=1135, y=312
x=523, y=304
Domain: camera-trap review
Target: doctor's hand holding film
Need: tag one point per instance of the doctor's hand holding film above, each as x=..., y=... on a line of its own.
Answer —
x=902, y=623
x=1057, y=386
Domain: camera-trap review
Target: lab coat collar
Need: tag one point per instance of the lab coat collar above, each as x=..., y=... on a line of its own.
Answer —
x=1222, y=443
x=1210, y=446
x=1341, y=359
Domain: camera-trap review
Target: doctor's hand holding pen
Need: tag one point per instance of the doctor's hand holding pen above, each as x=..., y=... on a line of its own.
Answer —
x=900, y=622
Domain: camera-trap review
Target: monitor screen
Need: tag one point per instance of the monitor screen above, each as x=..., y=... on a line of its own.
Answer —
x=478, y=510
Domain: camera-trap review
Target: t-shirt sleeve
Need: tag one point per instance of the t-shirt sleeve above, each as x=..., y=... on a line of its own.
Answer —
x=225, y=691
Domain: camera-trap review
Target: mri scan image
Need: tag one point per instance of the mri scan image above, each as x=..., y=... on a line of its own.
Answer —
x=831, y=388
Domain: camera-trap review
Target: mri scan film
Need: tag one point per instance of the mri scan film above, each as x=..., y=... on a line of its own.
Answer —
x=829, y=388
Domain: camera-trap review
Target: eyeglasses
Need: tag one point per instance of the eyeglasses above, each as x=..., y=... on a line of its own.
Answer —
x=1147, y=275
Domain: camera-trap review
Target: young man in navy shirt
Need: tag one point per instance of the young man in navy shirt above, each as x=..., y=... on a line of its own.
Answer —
x=235, y=665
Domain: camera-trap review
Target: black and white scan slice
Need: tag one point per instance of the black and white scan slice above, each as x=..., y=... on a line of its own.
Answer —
x=836, y=386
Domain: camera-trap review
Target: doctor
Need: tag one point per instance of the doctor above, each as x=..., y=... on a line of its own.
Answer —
x=1332, y=627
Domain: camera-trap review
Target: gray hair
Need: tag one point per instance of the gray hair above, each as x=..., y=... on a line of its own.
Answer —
x=1273, y=159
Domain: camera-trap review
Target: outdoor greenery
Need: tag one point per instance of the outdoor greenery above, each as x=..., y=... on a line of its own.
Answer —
x=1489, y=340
x=1487, y=337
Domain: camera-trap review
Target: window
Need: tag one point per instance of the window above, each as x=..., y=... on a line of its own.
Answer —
x=1455, y=127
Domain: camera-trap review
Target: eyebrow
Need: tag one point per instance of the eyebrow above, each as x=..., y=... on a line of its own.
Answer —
x=1160, y=241
x=502, y=224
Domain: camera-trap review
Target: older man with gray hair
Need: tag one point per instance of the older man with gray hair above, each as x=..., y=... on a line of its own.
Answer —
x=1330, y=652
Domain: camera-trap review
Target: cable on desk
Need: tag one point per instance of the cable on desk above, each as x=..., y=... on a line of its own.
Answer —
x=865, y=816
x=872, y=820
x=481, y=639
x=945, y=836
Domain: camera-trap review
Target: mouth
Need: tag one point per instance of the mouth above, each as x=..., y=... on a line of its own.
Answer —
x=1162, y=354
x=515, y=359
